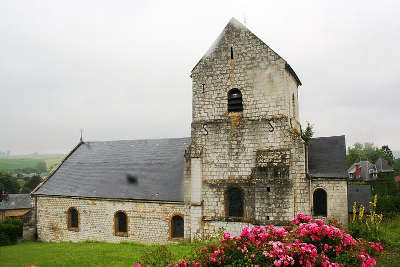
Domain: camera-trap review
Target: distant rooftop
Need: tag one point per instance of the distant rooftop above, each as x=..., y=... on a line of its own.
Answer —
x=16, y=201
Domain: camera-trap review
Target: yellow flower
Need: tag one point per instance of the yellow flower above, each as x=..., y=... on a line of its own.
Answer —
x=361, y=213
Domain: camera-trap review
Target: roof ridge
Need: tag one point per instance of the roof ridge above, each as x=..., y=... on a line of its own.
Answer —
x=57, y=167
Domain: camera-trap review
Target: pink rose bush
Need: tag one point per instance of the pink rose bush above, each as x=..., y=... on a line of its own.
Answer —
x=306, y=242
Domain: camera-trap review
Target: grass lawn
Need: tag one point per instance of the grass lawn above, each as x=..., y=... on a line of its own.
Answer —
x=127, y=254
x=391, y=233
x=84, y=253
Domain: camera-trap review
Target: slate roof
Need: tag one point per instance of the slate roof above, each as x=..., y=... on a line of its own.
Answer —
x=383, y=166
x=16, y=201
x=327, y=157
x=137, y=169
x=361, y=193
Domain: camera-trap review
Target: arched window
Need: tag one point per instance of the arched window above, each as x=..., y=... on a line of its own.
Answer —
x=121, y=223
x=73, y=219
x=234, y=198
x=320, y=202
x=177, y=227
x=235, y=103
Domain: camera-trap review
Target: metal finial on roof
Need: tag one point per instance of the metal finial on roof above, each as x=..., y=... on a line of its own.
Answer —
x=81, y=135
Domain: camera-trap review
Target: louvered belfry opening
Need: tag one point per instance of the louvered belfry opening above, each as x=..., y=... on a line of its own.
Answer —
x=177, y=226
x=235, y=202
x=320, y=202
x=235, y=101
x=73, y=218
x=121, y=222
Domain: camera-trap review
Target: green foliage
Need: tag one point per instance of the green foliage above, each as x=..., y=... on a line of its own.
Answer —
x=366, y=226
x=8, y=184
x=10, y=230
x=31, y=184
x=385, y=185
x=389, y=205
x=99, y=254
x=387, y=154
x=4, y=240
x=368, y=151
x=396, y=166
x=308, y=133
x=157, y=256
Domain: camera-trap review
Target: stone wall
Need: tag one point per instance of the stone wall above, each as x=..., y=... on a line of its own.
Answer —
x=227, y=144
x=336, y=190
x=148, y=222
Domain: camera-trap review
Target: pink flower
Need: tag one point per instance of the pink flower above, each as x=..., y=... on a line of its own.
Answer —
x=226, y=236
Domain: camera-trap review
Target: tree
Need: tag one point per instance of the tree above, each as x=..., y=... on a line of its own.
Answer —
x=31, y=184
x=387, y=154
x=308, y=133
x=366, y=151
x=8, y=184
x=396, y=166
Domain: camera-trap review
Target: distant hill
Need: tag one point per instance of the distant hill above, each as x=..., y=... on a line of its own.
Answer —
x=396, y=154
x=29, y=163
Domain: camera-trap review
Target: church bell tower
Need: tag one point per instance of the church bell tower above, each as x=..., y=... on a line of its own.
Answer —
x=246, y=161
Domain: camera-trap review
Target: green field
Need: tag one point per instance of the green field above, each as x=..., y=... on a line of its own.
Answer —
x=14, y=163
x=85, y=254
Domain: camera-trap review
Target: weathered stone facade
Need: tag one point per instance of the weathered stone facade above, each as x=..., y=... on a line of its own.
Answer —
x=337, y=197
x=256, y=152
x=259, y=150
x=148, y=222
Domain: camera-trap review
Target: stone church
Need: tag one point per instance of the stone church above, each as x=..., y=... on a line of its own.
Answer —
x=244, y=164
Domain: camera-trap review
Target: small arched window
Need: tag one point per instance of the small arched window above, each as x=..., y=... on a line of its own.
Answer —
x=121, y=223
x=177, y=227
x=235, y=101
x=234, y=202
x=73, y=219
x=320, y=203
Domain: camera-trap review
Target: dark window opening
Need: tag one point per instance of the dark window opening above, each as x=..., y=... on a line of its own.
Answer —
x=267, y=218
x=177, y=227
x=231, y=52
x=73, y=219
x=235, y=202
x=235, y=101
x=121, y=222
x=268, y=189
x=320, y=202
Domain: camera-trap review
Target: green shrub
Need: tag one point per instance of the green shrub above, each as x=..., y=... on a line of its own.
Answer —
x=4, y=240
x=10, y=230
x=389, y=204
x=366, y=226
x=157, y=256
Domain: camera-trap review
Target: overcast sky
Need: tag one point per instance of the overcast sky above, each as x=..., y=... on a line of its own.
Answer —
x=120, y=69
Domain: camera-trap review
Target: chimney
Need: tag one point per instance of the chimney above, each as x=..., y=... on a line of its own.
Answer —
x=358, y=171
x=4, y=196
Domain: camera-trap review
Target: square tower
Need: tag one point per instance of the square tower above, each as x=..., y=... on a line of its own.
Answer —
x=246, y=158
